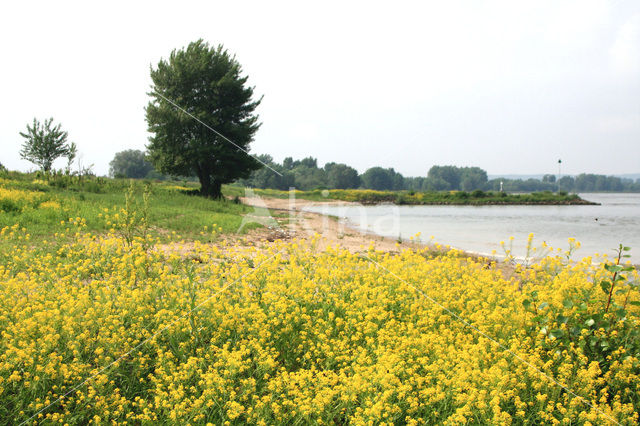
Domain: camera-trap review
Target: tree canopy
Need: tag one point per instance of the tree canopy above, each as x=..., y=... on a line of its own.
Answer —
x=382, y=179
x=341, y=176
x=131, y=163
x=44, y=143
x=202, y=117
x=456, y=178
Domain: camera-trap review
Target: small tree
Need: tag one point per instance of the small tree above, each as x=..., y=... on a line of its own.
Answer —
x=131, y=163
x=45, y=143
x=71, y=155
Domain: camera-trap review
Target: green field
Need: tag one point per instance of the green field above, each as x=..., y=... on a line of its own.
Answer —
x=42, y=206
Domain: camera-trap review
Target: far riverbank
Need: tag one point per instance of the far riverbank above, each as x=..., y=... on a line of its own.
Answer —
x=461, y=198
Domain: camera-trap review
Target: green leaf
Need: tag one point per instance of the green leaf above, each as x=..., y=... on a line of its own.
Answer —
x=605, y=286
x=589, y=322
x=613, y=268
x=634, y=303
x=626, y=248
x=526, y=303
x=543, y=305
x=568, y=303
x=562, y=319
x=557, y=333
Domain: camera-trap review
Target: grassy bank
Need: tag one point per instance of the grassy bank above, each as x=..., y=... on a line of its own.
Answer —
x=477, y=198
x=46, y=206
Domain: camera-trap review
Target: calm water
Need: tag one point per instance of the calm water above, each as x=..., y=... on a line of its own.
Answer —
x=480, y=229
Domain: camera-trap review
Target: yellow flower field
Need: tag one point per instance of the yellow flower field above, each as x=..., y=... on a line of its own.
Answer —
x=18, y=200
x=290, y=334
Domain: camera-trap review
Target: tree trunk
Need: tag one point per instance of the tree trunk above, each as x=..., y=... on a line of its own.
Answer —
x=216, y=189
x=209, y=186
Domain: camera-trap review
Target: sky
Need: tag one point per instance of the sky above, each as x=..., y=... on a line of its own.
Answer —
x=510, y=87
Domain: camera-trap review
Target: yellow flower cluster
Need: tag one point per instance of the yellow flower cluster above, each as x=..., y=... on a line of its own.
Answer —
x=177, y=188
x=18, y=200
x=51, y=204
x=290, y=334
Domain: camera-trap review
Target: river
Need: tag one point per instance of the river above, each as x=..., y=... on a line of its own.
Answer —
x=599, y=229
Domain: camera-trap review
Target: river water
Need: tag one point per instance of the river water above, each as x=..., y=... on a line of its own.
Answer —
x=599, y=229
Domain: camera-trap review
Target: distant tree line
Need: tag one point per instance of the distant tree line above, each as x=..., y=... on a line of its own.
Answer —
x=305, y=174
x=584, y=182
x=135, y=164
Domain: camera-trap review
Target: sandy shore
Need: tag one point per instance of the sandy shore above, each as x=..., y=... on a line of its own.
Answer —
x=285, y=219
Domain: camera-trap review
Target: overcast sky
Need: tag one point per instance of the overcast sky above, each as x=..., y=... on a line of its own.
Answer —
x=507, y=86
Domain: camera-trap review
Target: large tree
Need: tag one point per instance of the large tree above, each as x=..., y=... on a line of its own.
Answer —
x=202, y=117
x=44, y=143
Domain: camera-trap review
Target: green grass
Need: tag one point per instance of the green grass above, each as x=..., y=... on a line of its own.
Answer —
x=172, y=206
